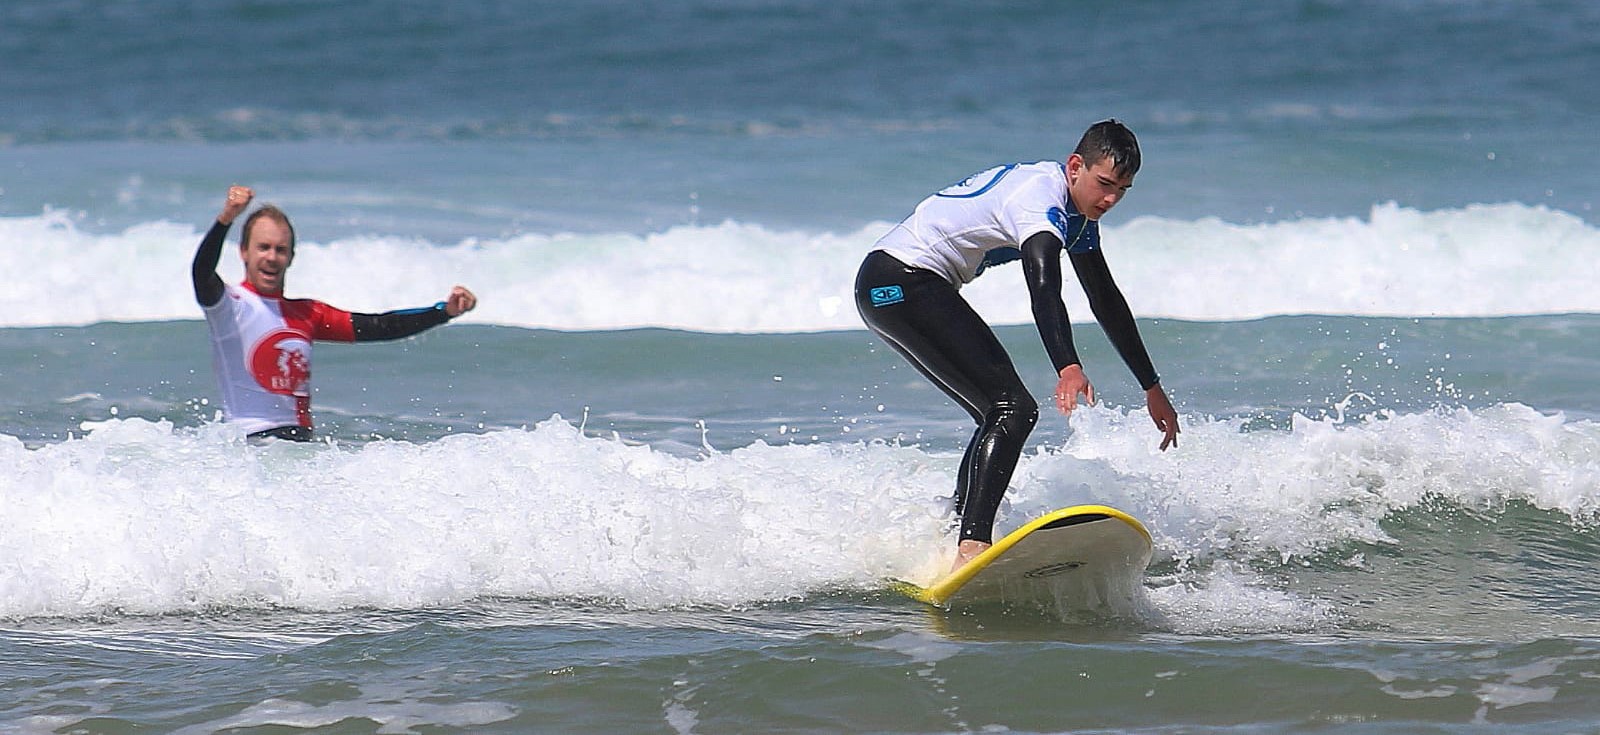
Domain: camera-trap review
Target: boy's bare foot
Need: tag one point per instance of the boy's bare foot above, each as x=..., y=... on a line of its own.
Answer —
x=967, y=551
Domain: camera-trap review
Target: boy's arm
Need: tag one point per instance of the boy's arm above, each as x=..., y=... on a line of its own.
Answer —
x=1041, y=268
x=1111, y=311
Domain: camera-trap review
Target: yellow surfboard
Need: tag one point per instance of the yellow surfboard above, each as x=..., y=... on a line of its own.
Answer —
x=1086, y=558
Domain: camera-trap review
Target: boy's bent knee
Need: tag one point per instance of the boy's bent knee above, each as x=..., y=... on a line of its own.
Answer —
x=1015, y=416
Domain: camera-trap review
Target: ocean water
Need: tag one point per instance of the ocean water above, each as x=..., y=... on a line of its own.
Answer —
x=655, y=482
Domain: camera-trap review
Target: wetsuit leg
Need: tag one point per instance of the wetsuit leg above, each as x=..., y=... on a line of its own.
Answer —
x=924, y=318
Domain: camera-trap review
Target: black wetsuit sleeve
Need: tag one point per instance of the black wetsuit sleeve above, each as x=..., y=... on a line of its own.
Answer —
x=207, y=284
x=1111, y=310
x=1041, y=268
x=397, y=324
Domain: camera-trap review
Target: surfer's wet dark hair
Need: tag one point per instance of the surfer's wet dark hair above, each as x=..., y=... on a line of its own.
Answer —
x=270, y=212
x=1111, y=139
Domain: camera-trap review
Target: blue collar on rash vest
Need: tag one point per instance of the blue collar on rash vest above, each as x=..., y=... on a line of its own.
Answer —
x=1079, y=234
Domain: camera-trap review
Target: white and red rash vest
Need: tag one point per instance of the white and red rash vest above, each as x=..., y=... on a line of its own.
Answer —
x=261, y=347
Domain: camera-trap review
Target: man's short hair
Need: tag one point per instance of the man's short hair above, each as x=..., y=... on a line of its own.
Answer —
x=1110, y=139
x=270, y=212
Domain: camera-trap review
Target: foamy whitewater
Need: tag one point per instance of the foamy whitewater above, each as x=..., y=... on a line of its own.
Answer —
x=143, y=518
x=660, y=478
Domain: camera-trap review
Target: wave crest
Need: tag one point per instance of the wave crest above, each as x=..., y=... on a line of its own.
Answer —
x=1481, y=260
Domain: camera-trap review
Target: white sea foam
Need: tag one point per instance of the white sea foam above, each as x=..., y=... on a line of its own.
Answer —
x=139, y=517
x=1486, y=260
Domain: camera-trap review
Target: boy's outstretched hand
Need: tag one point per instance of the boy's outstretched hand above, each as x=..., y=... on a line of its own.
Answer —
x=1161, y=412
x=1070, y=384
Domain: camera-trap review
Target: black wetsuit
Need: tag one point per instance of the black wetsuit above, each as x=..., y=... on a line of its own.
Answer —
x=944, y=338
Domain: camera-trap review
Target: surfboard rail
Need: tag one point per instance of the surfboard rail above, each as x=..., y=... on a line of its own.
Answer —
x=942, y=590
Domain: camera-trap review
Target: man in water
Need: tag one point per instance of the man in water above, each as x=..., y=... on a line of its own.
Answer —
x=908, y=293
x=261, y=341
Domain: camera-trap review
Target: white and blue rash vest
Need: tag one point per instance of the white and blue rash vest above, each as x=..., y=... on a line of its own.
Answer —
x=983, y=221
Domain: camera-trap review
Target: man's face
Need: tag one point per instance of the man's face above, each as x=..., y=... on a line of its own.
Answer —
x=1095, y=189
x=267, y=256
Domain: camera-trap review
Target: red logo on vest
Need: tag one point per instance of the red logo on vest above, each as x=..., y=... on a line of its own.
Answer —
x=281, y=363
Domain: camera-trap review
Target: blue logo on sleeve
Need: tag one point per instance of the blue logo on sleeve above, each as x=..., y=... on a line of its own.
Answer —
x=886, y=295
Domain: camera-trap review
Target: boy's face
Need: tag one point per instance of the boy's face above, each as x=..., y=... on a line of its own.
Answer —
x=1095, y=189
